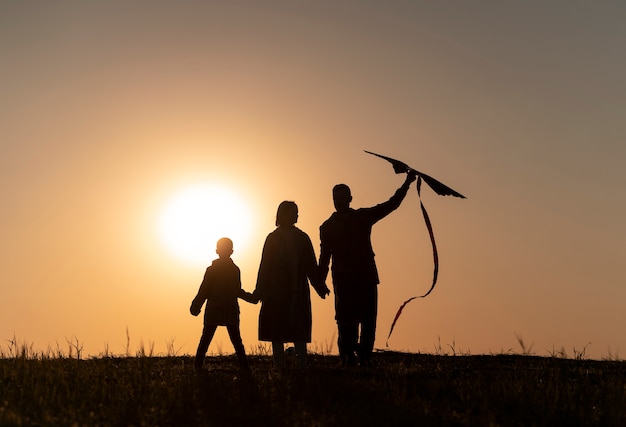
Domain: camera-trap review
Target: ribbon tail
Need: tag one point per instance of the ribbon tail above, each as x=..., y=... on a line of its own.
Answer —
x=435, y=254
x=432, y=238
x=395, y=319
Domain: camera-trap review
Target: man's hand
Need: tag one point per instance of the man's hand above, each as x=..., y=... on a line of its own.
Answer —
x=411, y=175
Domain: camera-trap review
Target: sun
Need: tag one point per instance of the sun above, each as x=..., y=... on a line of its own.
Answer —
x=195, y=217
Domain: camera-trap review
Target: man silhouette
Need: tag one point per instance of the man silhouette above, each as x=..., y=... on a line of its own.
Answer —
x=346, y=238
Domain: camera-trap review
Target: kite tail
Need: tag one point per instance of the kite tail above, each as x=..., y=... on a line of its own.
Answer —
x=393, y=324
x=435, y=260
x=435, y=255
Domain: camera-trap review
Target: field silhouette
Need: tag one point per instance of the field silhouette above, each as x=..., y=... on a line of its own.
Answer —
x=400, y=389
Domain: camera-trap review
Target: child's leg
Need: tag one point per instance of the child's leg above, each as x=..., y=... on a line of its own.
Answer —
x=235, y=337
x=278, y=353
x=203, y=346
x=300, y=354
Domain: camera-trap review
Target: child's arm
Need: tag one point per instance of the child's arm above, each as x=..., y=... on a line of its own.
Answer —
x=196, y=305
x=198, y=301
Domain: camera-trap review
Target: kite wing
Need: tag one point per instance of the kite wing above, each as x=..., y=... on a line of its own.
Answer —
x=401, y=167
x=438, y=187
x=398, y=166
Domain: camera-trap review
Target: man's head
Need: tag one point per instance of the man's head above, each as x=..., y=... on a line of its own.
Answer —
x=342, y=197
x=224, y=247
x=287, y=213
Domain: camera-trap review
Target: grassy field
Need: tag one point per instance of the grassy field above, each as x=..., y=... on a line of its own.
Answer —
x=402, y=389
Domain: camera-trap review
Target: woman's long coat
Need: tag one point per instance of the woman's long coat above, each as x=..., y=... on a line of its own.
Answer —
x=287, y=265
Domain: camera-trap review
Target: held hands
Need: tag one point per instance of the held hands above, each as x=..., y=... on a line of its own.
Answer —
x=323, y=291
x=411, y=175
x=252, y=298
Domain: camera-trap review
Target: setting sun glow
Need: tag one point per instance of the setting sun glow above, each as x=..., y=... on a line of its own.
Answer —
x=196, y=217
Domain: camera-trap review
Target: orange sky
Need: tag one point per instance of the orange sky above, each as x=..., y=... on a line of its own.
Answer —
x=109, y=109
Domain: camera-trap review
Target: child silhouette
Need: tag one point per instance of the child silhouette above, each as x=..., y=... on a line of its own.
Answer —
x=220, y=288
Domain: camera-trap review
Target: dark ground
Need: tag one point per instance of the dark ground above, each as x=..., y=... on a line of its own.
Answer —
x=401, y=389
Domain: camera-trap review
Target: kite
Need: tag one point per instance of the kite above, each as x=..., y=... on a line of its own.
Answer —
x=442, y=190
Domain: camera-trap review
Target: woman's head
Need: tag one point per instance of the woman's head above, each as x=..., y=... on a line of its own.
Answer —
x=287, y=213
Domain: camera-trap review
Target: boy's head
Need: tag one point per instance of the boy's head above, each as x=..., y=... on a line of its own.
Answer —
x=224, y=247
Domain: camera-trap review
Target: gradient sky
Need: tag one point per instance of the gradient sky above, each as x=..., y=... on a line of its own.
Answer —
x=108, y=109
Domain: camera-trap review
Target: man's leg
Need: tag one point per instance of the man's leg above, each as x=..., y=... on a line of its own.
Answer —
x=368, y=326
x=347, y=342
x=207, y=335
x=347, y=324
x=235, y=337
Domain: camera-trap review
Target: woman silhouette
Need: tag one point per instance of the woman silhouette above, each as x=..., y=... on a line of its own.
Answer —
x=288, y=263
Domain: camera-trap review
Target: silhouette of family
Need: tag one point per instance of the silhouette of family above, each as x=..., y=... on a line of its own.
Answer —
x=288, y=266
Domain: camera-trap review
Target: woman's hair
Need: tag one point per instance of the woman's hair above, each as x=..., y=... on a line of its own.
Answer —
x=287, y=213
